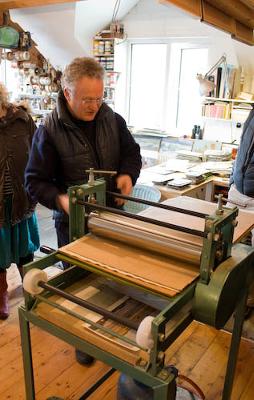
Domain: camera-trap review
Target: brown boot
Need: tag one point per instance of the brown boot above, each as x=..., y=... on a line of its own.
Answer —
x=4, y=307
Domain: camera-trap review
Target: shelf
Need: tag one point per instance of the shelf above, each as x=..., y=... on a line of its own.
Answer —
x=104, y=55
x=37, y=111
x=98, y=38
x=218, y=119
x=36, y=96
x=109, y=36
x=221, y=109
x=230, y=100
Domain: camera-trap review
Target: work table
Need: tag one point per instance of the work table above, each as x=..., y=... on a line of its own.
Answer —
x=203, y=191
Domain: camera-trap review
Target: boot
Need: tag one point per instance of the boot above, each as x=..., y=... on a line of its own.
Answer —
x=83, y=358
x=4, y=307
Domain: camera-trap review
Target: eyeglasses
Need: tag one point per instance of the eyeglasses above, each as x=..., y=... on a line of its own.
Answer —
x=88, y=101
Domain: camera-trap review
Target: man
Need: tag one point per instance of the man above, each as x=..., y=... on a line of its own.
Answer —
x=81, y=133
x=241, y=192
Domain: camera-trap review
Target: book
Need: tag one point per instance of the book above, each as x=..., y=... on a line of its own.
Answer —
x=218, y=81
x=211, y=78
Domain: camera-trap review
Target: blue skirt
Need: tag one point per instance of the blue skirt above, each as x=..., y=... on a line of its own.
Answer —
x=17, y=240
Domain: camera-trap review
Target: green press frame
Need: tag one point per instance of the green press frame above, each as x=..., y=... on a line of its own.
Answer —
x=212, y=300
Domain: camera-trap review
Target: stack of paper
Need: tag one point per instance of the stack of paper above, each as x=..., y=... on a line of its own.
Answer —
x=219, y=168
x=189, y=155
x=179, y=165
x=217, y=155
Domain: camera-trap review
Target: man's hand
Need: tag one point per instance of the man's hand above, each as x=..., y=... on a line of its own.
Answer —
x=62, y=201
x=124, y=184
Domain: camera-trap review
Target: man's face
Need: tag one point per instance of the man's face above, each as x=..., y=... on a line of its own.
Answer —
x=85, y=99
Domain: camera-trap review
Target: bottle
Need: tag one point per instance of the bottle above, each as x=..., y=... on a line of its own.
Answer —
x=194, y=131
x=198, y=133
x=234, y=153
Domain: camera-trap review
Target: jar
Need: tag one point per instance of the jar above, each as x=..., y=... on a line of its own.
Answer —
x=108, y=47
x=96, y=47
x=101, y=47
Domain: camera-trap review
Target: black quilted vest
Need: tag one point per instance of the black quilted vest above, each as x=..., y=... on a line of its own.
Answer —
x=76, y=154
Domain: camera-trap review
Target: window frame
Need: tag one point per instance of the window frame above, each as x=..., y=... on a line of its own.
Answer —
x=171, y=92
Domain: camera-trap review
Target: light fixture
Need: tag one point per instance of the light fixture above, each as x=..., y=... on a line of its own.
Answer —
x=206, y=86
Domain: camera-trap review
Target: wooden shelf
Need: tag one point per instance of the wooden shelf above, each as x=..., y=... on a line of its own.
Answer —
x=221, y=109
x=230, y=100
x=218, y=119
x=104, y=55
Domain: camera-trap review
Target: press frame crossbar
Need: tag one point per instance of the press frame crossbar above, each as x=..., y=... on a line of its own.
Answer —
x=86, y=304
x=159, y=205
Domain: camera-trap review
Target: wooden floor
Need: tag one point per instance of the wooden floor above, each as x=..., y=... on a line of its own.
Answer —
x=199, y=353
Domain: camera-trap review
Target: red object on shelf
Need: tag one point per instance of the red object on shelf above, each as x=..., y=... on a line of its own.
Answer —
x=234, y=153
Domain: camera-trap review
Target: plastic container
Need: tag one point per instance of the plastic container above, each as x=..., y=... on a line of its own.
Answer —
x=142, y=192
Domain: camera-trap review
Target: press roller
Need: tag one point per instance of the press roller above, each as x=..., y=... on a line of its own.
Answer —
x=144, y=236
x=179, y=263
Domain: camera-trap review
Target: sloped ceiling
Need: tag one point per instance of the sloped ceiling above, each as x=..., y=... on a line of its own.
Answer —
x=65, y=31
x=52, y=28
x=94, y=15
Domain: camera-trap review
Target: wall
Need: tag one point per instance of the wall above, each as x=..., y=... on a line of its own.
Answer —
x=65, y=31
x=94, y=15
x=52, y=28
x=149, y=19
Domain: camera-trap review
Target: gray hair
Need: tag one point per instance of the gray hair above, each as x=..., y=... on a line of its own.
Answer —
x=80, y=67
x=4, y=96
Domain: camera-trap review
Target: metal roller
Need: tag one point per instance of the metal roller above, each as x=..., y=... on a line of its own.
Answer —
x=143, y=238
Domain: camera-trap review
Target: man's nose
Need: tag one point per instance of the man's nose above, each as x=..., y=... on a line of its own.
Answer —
x=93, y=106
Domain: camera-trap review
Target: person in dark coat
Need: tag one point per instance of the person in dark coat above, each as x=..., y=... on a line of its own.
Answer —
x=241, y=192
x=82, y=132
x=19, y=235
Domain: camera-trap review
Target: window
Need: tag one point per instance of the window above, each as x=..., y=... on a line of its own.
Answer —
x=188, y=100
x=148, y=74
x=10, y=78
x=163, y=89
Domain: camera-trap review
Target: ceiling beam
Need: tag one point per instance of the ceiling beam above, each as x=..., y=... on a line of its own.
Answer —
x=248, y=3
x=8, y=5
x=193, y=7
x=235, y=9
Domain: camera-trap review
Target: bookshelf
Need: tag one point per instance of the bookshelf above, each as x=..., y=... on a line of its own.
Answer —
x=104, y=52
x=226, y=109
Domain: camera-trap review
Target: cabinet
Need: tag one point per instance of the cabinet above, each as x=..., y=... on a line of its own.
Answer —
x=104, y=52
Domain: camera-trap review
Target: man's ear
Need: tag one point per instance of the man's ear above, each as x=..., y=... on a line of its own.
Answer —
x=67, y=94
